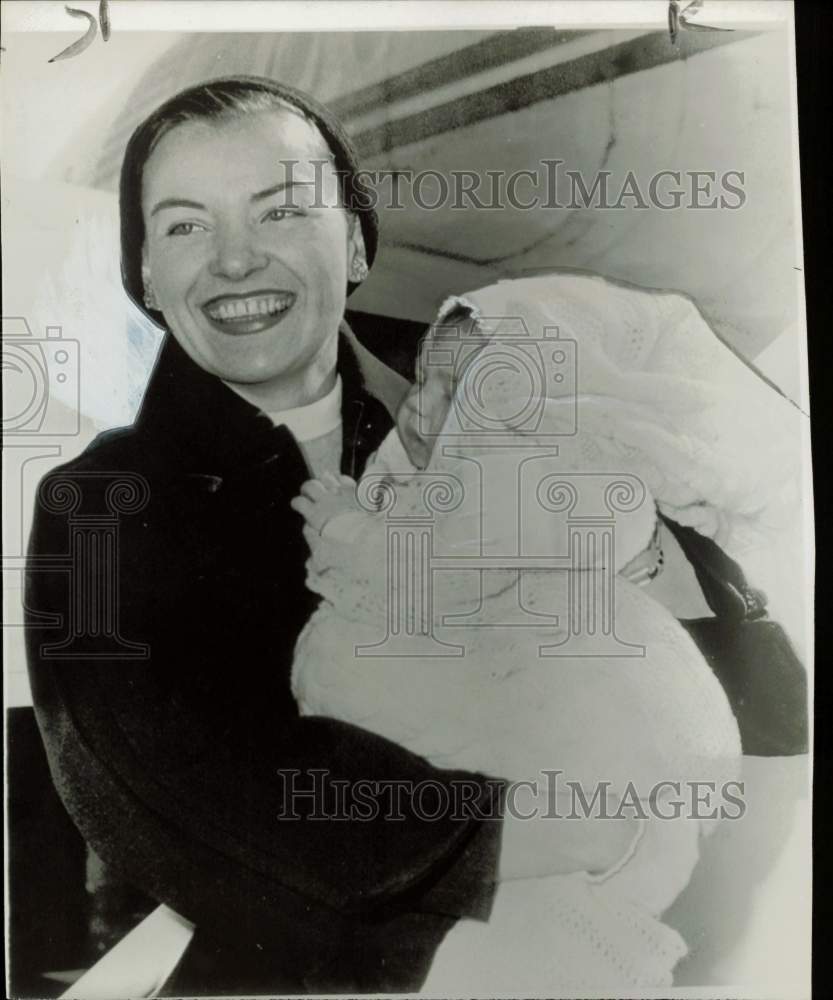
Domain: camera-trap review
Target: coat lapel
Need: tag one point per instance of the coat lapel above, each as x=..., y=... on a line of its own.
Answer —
x=204, y=430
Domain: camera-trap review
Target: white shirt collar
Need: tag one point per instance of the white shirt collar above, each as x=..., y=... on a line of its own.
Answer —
x=314, y=420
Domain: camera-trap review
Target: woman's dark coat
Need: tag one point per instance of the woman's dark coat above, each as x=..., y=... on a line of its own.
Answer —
x=176, y=767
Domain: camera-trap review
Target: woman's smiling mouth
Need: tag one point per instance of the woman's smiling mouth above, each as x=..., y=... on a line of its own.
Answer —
x=246, y=314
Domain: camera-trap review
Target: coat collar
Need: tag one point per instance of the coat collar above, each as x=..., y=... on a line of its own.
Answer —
x=201, y=425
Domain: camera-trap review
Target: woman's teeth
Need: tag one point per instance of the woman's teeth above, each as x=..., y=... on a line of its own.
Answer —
x=263, y=305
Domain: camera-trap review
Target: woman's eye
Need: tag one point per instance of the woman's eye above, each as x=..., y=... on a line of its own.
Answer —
x=277, y=215
x=184, y=228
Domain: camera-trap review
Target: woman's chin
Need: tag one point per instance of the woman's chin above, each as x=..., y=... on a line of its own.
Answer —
x=248, y=360
x=251, y=375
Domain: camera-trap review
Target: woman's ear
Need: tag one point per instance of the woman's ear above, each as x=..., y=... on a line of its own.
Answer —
x=357, y=268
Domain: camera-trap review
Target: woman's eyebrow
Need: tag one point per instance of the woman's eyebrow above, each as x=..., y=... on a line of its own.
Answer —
x=175, y=203
x=277, y=188
x=259, y=196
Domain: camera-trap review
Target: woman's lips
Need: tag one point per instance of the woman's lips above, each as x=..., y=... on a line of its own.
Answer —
x=251, y=313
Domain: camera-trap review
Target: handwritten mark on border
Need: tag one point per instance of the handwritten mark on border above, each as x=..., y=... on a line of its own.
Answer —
x=679, y=19
x=88, y=37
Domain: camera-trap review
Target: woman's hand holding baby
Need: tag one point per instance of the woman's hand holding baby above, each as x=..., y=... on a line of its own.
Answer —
x=323, y=499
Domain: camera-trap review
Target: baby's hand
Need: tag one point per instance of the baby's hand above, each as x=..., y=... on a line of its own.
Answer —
x=322, y=499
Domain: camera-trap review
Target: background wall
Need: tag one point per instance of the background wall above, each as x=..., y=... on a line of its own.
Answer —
x=620, y=101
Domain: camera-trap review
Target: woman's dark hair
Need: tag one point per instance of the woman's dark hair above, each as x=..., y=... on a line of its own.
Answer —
x=218, y=100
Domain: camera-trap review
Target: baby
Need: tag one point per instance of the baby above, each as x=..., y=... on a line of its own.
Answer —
x=594, y=713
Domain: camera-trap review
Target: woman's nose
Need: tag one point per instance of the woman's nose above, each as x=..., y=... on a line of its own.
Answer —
x=236, y=253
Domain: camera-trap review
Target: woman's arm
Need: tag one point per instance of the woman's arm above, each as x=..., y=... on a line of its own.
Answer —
x=192, y=779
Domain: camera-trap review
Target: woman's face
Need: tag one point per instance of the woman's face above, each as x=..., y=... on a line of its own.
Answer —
x=247, y=248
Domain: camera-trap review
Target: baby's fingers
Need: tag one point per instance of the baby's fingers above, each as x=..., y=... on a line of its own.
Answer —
x=303, y=506
x=312, y=535
x=310, y=512
x=314, y=489
x=330, y=480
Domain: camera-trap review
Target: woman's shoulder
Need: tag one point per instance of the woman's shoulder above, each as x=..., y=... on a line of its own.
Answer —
x=112, y=468
x=114, y=450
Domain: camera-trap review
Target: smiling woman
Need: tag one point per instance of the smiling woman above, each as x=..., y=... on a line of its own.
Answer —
x=247, y=252
x=233, y=223
x=173, y=737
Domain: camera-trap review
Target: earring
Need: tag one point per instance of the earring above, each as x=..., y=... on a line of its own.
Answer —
x=358, y=268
